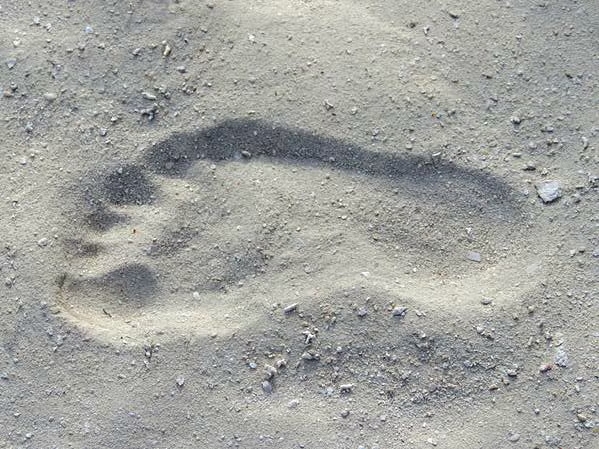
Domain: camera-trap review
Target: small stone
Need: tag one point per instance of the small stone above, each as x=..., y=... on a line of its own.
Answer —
x=281, y=363
x=581, y=417
x=270, y=371
x=399, y=311
x=346, y=388
x=548, y=191
x=308, y=355
x=88, y=29
x=253, y=365
x=42, y=242
x=290, y=308
x=246, y=154
x=345, y=413
x=267, y=387
x=362, y=312
x=585, y=142
x=530, y=166
x=453, y=14
x=196, y=296
x=545, y=367
x=180, y=381
x=513, y=437
x=167, y=50
x=148, y=96
x=561, y=358
x=516, y=120
x=548, y=128
x=50, y=96
x=11, y=62
x=293, y=403
x=486, y=301
x=473, y=256
x=181, y=69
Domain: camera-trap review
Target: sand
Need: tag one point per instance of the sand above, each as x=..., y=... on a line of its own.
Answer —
x=299, y=224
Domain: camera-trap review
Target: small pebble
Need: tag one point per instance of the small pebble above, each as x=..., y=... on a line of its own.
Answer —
x=561, y=358
x=50, y=96
x=42, y=242
x=290, y=308
x=530, y=166
x=346, y=388
x=310, y=356
x=585, y=142
x=473, y=256
x=513, y=437
x=548, y=191
x=148, y=96
x=270, y=371
x=180, y=381
x=399, y=311
x=267, y=387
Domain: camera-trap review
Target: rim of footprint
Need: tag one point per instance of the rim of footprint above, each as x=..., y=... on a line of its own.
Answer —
x=215, y=230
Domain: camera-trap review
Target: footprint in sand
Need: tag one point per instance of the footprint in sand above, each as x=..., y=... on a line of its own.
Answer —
x=210, y=228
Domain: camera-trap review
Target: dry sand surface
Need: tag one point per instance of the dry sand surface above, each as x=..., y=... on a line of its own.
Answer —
x=299, y=224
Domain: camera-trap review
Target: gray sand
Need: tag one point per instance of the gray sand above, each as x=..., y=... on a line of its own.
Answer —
x=299, y=224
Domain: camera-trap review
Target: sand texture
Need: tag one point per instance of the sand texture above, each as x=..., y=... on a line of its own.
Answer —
x=299, y=224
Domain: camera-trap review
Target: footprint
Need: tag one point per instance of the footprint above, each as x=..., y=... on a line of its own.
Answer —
x=210, y=228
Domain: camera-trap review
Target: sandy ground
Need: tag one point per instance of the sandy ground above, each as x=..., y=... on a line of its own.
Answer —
x=299, y=224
